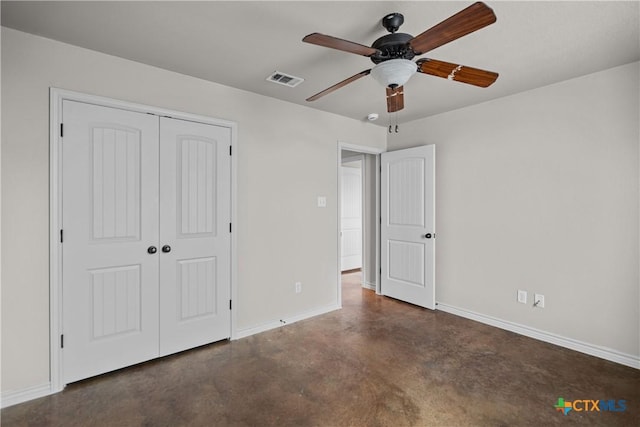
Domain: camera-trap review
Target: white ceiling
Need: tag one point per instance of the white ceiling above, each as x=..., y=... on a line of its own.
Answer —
x=240, y=43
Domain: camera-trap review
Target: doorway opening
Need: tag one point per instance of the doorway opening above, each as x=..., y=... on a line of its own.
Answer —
x=398, y=221
x=358, y=216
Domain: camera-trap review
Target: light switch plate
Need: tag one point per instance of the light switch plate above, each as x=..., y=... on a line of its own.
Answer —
x=322, y=202
x=522, y=297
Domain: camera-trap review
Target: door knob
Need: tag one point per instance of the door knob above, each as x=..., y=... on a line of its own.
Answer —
x=427, y=236
x=166, y=248
x=152, y=249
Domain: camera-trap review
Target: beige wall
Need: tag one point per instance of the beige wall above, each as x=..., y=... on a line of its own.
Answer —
x=539, y=191
x=287, y=156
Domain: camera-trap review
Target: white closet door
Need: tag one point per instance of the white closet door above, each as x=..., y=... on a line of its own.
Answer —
x=408, y=225
x=351, y=221
x=110, y=219
x=195, y=216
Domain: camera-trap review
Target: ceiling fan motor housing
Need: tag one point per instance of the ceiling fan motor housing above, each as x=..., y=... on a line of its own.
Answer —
x=392, y=46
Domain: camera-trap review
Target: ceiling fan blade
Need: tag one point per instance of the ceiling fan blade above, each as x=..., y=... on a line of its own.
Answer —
x=458, y=73
x=395, y=99
x=336, y=43
x=339, y=85
x=468, y=20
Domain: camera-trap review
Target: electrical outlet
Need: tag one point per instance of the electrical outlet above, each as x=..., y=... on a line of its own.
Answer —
x=298, y=287
x=538, y=301
x=522, y=297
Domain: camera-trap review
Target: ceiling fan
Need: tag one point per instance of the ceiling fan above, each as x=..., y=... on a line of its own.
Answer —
x=392, y=53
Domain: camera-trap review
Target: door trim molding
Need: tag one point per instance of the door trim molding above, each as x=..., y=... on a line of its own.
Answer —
x=56, y=97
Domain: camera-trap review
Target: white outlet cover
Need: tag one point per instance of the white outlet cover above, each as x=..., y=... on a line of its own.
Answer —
x=539, y=299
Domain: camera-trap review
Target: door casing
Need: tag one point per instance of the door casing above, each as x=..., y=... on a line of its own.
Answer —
x=56, y=97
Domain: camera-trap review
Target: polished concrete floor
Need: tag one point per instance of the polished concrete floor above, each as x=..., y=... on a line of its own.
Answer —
x=376, y=362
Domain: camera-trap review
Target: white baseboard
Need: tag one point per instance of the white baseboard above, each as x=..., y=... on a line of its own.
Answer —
x=583, y=347
x=369, y=285
x=242, y=333
x=11, y=398
x=14, y=397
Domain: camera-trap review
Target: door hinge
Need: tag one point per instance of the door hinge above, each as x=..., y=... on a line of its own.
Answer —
x=229, y=304
x=230, y=150
x=61, y=130
x=61, y=235
x=61, y=341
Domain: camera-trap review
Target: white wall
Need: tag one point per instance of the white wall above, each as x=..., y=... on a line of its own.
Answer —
x=287, y=156
x=539, y=191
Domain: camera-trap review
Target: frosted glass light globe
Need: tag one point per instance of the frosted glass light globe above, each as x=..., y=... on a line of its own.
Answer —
x=394, y=72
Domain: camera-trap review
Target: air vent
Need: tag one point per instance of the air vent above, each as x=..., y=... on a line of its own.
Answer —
x=285, y=79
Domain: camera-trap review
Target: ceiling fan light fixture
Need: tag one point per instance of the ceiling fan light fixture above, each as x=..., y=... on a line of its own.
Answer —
x=394, y=72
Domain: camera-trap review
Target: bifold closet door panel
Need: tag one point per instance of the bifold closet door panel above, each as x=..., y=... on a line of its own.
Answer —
x=195, y=237
x=109, y=222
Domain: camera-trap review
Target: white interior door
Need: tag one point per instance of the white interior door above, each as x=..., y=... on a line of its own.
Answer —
x=146, y=213
x=408, y=225
x=351, y=221
x=109, y=220
x=195, y=216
